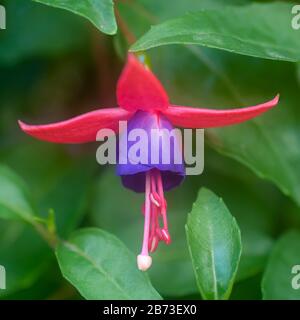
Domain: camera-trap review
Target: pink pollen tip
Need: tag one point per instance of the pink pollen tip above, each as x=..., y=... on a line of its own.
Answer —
x=154, y=244
x=166, y=236
x=144, y=262
x=154, y=200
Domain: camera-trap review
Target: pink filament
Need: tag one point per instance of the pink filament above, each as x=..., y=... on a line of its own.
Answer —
x=155, y=207
x=147, y=215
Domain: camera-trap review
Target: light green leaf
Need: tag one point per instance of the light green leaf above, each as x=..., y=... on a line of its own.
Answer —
x=215, y=245
x=256, y=216
x=142, y=14
x=100, y=13
x=279, y=277
x=258, y=30
x=14, y=199
x=101, y=267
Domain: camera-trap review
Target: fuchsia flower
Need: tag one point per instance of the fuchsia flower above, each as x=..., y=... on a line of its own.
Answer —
x=144, y=102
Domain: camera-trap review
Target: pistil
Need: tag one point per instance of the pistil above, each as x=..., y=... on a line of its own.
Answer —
x=144, y=261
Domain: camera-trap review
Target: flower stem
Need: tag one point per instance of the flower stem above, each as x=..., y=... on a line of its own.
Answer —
x=129, y=36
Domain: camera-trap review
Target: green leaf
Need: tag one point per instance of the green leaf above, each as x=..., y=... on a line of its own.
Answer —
x=14, y=199
x=278, y=278
x=256, y=216
x=258, y=30
x=101, y=267
x=142, y=14
x=100, y=13
x=215, y=245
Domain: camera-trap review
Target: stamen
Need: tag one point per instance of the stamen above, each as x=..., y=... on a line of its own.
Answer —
x=158, y=232
x=153, y=212
x=152, y=225
x=154, y=244
x=166, y=236
x=163, y=202
x=154, y=200
x=144, y=261
x=155, y=206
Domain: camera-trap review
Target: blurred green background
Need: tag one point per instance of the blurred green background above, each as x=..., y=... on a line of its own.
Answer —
x=55, y=65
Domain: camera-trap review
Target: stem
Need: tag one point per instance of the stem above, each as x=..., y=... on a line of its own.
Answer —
x=50, y=238
x=129, y=36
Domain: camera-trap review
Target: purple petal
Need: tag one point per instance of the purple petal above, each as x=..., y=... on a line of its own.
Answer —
x=133, y=173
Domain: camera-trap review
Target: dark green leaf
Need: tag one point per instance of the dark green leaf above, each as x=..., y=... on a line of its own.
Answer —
x=279, y=277
x=215, y=245
x=100, y=13
x=258, y=30
x=101, y=267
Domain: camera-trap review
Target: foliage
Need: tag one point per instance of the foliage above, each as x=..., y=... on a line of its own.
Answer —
x=67, y=227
